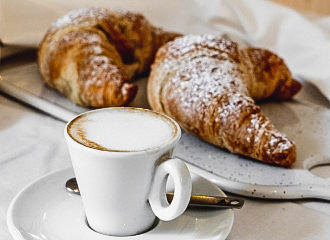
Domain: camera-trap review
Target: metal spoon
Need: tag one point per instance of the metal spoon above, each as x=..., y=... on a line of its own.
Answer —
x=195, y=200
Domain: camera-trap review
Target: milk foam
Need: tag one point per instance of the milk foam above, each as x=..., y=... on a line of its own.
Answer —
x=121, y=130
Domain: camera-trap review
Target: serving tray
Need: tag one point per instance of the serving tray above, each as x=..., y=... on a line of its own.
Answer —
x=306, y=120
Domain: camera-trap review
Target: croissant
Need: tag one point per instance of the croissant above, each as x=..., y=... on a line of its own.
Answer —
x=91, y=55
x=209, y=85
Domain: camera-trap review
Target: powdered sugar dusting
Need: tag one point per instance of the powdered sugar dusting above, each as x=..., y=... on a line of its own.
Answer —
x=205, y=80
x=202, y=80
x=208, y=83
x=78, y=37
x=99, y=68
x=81, y=16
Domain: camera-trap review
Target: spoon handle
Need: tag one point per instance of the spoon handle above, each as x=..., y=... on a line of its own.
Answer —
x=211, y=201
x=195, y=200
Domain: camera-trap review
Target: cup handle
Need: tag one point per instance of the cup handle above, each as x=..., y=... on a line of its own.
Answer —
x=182, y=183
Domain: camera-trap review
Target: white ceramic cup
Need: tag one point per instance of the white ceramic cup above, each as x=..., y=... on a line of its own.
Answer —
x=123, y=191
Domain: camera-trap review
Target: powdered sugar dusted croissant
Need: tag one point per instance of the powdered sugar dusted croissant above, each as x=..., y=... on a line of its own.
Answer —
x=90, y=55
x=209, y=86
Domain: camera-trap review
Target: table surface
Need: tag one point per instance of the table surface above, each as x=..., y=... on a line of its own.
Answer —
x=32, y=144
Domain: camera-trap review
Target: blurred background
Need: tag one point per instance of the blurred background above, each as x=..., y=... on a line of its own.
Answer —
x=321, y=7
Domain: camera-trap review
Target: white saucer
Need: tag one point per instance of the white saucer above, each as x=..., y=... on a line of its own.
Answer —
x=44, y=210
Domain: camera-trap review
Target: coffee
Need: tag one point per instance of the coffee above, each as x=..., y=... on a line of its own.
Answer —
x=122, y=129
x=123, y=187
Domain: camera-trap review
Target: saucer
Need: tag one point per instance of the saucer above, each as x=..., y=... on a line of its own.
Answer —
x=45, y=210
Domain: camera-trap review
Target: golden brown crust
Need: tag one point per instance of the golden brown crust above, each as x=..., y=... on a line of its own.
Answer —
x=272, y=76
x=208, y=85
x=91, y=55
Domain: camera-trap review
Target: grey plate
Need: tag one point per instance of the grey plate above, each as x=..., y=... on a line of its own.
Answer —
x=305, y=120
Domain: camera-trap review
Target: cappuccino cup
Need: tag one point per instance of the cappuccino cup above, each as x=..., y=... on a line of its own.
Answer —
x=122, y=158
